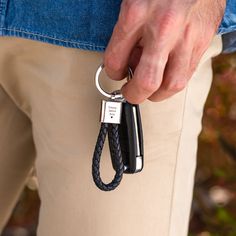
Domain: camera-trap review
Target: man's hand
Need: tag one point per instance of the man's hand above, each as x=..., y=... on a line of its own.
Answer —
x=163, y=42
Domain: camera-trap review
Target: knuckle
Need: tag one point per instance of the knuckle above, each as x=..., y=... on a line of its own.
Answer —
x=151, y=82
x=167, y=22
x=132, y=13
x=148, y=85
x=176, y=86
x=169, y=18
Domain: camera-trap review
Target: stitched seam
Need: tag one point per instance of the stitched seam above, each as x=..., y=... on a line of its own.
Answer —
x=176, y=161
x=175, y=170
x=46, y=36
x=184, y=112
x=50, y=37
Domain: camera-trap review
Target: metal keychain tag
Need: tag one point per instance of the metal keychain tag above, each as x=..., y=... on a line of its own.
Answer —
x=111, y=112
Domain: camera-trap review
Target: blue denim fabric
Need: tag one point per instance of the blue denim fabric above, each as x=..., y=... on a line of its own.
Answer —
x=228, y=23
x=84, y=24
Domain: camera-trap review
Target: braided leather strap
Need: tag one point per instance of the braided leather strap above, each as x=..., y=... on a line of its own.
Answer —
x=115, y=150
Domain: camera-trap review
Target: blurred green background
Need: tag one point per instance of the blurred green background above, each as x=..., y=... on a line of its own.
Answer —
x=214, y=204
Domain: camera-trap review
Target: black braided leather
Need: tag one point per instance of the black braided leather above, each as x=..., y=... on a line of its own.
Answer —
x=115, y=150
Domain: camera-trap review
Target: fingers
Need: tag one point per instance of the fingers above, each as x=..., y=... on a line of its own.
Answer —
x=149, y=72
x=147, y=76
x=182, y=62
x=126, y=34
x=167, y=55
x=176, y=73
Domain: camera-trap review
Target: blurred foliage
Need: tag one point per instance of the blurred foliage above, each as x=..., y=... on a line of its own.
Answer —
x=24, y=219
x=214, y=203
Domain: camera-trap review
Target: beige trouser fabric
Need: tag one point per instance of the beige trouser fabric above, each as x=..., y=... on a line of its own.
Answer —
x=49, y=115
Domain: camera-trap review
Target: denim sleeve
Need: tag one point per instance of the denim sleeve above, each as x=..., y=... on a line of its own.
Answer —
x=228, y=23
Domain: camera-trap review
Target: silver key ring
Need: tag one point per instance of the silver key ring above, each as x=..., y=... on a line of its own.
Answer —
x=116, y=94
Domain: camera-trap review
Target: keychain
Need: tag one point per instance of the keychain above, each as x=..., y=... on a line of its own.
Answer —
x=121, y=121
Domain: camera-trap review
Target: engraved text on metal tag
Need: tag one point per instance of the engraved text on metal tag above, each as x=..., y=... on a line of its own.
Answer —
x=111, y=111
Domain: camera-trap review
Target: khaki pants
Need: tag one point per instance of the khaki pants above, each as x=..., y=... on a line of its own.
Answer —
x=49, y=117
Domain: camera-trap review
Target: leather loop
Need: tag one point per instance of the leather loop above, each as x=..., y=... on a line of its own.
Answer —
x=115, y=150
